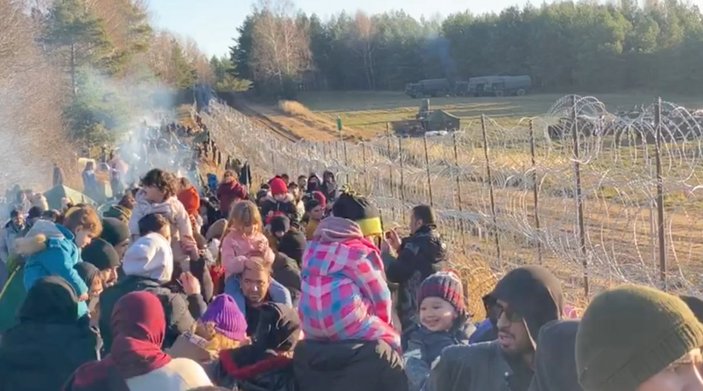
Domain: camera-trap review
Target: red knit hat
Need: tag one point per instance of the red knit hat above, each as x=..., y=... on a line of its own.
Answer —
x=190, y=200
x=447, y=286
x=278, y=186
x=320, y=197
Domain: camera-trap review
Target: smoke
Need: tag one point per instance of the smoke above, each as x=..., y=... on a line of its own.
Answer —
x=142, y=108
x=438, y=49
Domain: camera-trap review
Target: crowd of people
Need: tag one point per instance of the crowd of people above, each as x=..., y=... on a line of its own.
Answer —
x=298, y=286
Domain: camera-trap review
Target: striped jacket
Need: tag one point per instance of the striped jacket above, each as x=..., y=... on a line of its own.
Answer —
x=344, y=293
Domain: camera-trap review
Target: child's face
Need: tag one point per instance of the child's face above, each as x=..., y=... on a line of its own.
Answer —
x=83, y=237
x=96, y=287
x=317, y=212
x=437, y=314
x=280, y=197
x=166, y=232
x=153, y=194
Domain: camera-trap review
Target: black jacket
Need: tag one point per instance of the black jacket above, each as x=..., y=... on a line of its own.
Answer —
x=479, y=367
x=38, y=357
x=287, y=207
x=420, y=256
x=555, y=362
x=49, y=343
x=348, y=366
x=287, y=272
x=241, y=371
x=181, y=311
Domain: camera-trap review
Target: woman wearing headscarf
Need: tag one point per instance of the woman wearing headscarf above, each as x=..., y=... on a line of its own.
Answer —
x=136, y=361
x=49, y=343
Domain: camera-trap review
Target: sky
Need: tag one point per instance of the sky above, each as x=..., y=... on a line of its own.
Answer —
x=213, y=23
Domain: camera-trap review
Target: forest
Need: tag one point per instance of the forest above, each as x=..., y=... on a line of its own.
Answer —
x=566, y=46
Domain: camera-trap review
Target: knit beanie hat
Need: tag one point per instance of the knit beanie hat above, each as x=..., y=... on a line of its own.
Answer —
x=190, y=200
x=115, y=231
x=360, y=210
x=447, y=286
x=293, y=245
x=101, y=254
x=87, y=272
x=631, y=333
x=227, y=318
x=280, y=224
x=278, y=186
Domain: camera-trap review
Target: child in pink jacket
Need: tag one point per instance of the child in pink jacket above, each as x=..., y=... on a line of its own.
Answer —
x=244, y=237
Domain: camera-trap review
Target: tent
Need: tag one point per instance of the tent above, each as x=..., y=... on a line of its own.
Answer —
x=54, y=196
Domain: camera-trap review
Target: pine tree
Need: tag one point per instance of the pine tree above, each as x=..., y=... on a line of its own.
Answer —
x=77, y=36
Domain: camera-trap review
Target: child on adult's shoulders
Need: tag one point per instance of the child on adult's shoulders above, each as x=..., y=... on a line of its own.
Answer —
x=443, y=322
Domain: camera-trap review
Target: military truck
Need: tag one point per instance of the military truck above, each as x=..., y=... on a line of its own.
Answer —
x=497, y=86
x=429, y=87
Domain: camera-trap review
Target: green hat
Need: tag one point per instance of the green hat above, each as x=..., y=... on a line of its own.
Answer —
x=630, y=334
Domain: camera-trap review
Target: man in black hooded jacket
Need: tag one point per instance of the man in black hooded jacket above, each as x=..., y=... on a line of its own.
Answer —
x=420, y=255
x=529, y=298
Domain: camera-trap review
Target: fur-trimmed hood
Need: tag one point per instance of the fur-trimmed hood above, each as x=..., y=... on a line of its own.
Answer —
x=38, y=236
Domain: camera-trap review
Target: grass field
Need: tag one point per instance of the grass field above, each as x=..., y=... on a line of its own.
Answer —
x=370, y=111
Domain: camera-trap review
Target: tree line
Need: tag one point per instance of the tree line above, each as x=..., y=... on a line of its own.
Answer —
x=102, y=61
x=565, y=46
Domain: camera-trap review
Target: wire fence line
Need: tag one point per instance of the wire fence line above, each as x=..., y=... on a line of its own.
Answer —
x=580, y=190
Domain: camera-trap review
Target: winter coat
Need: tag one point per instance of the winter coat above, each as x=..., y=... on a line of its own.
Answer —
x=235, y=248
x=90, y=184
x=310, y=229
x=7, y=240
x=287, y=272
x=57, y=176
x=174, y=212
x=181, y=310
x=11, y=298
x=274, y=373
x=49, y=343
x=420, y=256
x=478, y=367
x=271, y=207
x=329, y=189
x=424, y=346
x=555, y=362
x=50, y=251
x=344, y=294
x=228, y=194
x=485, y=332
x=348, y=366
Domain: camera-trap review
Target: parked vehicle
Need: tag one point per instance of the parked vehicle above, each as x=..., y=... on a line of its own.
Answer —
x=429, y=88
x=498, y=86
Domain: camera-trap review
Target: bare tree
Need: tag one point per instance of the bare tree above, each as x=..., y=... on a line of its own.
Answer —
x=29, y=89
x=364, y=45
x=281, y=47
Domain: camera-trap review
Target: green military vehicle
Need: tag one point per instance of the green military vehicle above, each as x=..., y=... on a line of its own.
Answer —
x=495, y=86
x=429, y=88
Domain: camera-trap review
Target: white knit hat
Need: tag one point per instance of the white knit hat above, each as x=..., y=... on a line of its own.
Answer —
x=150, y=256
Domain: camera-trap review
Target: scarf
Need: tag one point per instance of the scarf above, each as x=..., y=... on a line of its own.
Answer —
x=336, y=229
x=139, y=327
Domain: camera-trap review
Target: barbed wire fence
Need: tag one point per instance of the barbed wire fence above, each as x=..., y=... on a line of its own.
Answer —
x=599, y=198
